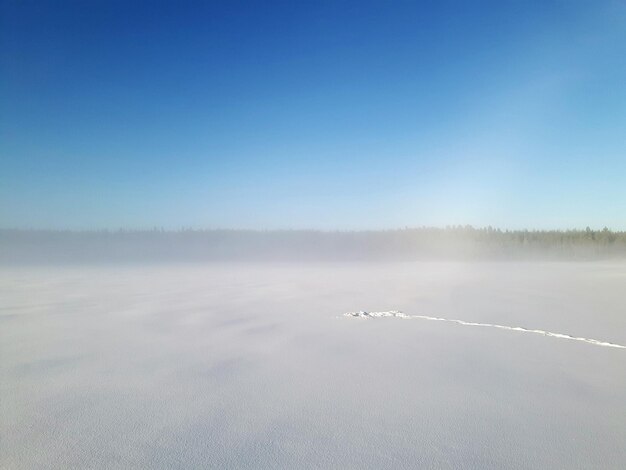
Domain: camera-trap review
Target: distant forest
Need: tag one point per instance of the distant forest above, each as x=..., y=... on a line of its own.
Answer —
x=457, y=242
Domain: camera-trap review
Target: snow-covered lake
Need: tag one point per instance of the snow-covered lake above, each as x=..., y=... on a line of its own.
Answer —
x=256, y=366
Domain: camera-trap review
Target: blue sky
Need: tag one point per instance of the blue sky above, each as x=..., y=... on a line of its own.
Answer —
x=330, y=115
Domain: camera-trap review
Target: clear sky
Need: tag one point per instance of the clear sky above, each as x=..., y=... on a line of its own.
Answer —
x=331, y=115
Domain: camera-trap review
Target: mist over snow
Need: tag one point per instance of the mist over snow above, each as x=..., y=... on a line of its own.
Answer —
x=410, y=244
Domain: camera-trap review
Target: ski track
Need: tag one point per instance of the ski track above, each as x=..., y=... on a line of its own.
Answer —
x=398, y=314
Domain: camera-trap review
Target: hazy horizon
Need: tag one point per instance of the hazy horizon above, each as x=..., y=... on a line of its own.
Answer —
x=426, y=243
x=466, y=228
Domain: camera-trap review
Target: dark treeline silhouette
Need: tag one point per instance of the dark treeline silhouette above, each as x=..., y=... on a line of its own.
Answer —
x=457, y=242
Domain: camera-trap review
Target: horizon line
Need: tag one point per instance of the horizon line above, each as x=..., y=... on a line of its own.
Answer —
x=450, y=227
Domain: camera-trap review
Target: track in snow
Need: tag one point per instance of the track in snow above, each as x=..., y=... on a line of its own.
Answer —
x=397, y=314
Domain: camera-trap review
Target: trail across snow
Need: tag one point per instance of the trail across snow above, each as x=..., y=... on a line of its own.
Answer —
x=397, y=314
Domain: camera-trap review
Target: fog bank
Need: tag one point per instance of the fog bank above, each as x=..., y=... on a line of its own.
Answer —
x=454, y=243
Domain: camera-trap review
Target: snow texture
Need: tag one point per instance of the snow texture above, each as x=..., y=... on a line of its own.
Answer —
x=246, y=366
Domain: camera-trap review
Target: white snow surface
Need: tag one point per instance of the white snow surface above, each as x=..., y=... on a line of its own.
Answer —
x=246, y=366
